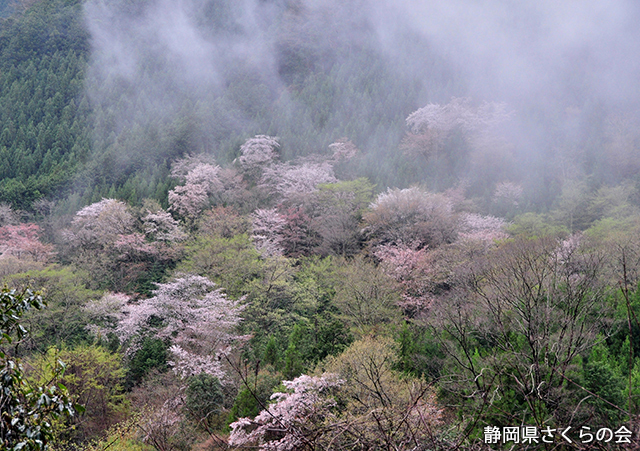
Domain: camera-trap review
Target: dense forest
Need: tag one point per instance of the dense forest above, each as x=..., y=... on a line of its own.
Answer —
x=319, y=225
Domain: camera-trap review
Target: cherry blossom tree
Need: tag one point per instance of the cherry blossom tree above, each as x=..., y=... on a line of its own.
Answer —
x=360, y=403
x=438, y=120
x=267, y=232
x=413, y=270
x=294, y=420
x=343, y=149
x=201, y=180
x=411, y=216
x=181, y=167
x=206, y=175
x=507, y=196
x=459, y=139
x=99, y=224
x=106, y=239
x=196, y=316
x=161, y=226
x=134, y=249
x=106, y=312
x=188, y=200
x=234, y=190
x=290, y=182
x=256, y=154
x=298, y=237
x=90, y=242
x=258, y=151
x=484, y=229
x=21, y=241
x=8, y=216
x=428, y=274
x=162, y=422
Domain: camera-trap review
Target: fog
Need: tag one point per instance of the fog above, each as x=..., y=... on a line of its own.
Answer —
x=244, y=67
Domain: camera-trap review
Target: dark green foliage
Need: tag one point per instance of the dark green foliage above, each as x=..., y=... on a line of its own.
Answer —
x=119, y=140
x=294, y=365
x=292, y=317
x=311, y=342
x=604, y=377
x=320, y=95
x=14, y=305
x=45, y=135
x=272, y=353
x=246, y=405
x=64, y=321
x=151, y=355
x=330, y=337
x=204, y=398
x=623, y=337
x=254, y=396
x=147, y=280
x=26, y=410
x=419, y=354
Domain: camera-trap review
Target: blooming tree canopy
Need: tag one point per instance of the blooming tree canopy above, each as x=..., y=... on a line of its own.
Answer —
x=360, y=403
x=486, y=229
x=21, y=241
x=296, y=416
x=201, y=180
x=343, y=149
x=197, y=317
x=457, y=113
x=100, y=223
x=411, y=216
x=267, y=228
x=258, y=151
x=289, y=181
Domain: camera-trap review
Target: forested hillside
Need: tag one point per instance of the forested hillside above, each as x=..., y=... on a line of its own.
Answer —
x=309, y=225
x=45, y=134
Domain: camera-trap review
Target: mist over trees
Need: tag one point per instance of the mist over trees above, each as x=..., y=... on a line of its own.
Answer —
x=320, y=224
x=138, y=85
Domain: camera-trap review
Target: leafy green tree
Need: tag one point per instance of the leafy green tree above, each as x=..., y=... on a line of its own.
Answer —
x=293, y=360
x=312, y=340
x=271, y=354
x=418, y=352
x=230, y=262
x=204, y=399
x=152, y=354
x=365, y=295
x=255, y=395
x=26, y=410
x=64, y=320
x=94, y=378
x=604, y=377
